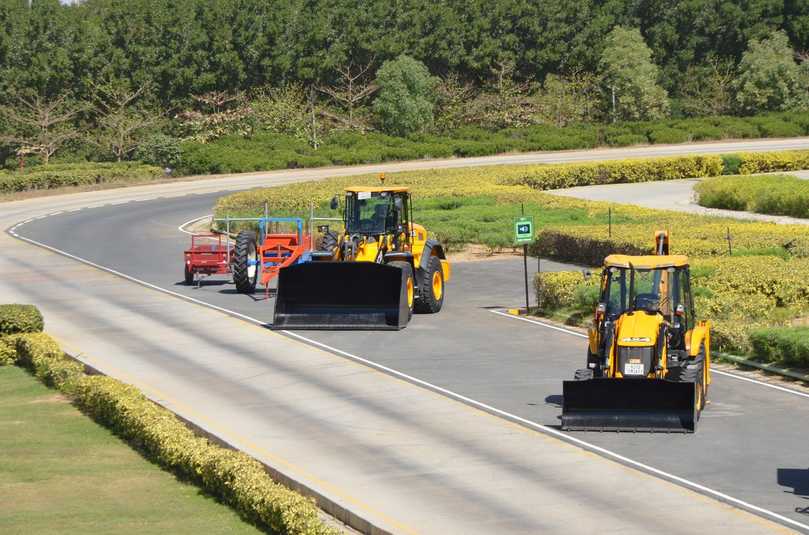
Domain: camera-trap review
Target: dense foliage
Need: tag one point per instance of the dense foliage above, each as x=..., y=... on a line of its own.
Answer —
x=771, y=194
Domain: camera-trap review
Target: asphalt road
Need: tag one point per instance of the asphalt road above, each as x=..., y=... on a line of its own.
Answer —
x=751, y=443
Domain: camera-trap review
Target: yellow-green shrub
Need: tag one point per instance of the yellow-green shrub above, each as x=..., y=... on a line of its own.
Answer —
x=766, y=162
x=557, y=289
x=230, y=475
x=20, y=319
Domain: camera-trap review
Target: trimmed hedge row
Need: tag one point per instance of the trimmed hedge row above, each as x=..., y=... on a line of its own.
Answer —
x=586, y=250
x=58, y=176
x=785, y=345
x=232, y=476
x=767, y=194
x=620, y=171
x=20, y=319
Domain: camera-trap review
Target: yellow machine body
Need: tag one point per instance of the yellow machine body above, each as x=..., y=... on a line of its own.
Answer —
x=649, y=361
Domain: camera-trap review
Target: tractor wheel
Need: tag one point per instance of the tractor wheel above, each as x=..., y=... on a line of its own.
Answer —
x=245, y=262
x=189, y=276
x=431, y=287
x=328, y=242
x=583, y=374
x=410, y=284
x=693, y=372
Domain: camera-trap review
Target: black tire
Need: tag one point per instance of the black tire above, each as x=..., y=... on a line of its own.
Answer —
x=328, y=242
x=407, y=275
x=428, y=302
x=245, y=250
x=583, y=374
x=189, y=276
x=693, y=371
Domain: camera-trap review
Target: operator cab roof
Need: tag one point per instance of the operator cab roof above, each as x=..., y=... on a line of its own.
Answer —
x=377, y=189
x=646, y=262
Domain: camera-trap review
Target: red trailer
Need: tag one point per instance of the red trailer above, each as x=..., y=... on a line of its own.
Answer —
x=209, y=254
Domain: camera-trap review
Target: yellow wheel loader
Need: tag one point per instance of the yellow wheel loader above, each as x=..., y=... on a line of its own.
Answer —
x=372, y=275
x=649, y=357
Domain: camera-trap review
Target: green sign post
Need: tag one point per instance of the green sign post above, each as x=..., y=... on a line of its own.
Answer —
x=523, y=235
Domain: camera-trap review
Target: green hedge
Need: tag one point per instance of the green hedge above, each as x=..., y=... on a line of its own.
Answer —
x=619, y=171
x=767, y=194
x=231, y=476
x=586, y=250
x=784, y=345
x=58, y=176
x=20, y=319
x=264, y=151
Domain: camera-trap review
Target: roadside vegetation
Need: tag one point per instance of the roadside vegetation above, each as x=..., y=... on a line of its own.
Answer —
x=770, y=194
x=230, y=98
x=748, y=275
x=64, y=473
x=54, y=454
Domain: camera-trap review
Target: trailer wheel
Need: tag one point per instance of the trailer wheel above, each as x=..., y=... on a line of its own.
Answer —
x=410, y=284
x=693, y=372
x=431, y=288
x=189, y=276
x=246, y=264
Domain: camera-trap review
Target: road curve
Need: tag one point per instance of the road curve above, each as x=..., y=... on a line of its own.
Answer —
x=399, y=448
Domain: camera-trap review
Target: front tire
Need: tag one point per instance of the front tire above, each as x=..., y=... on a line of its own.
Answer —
x=694, y=372
x=189, y=276
x=583, y=374
x=431, y=288
x=246, y=262
x=409, y=285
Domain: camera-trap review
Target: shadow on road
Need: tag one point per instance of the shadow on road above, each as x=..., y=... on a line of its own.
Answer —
x=555, y=400
x=798, y=480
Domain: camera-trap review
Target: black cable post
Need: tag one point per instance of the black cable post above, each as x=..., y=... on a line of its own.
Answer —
x=525, y=264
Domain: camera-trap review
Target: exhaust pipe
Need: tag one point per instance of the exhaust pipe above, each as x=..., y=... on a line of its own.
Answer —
x=653, y=405
x=341, y=296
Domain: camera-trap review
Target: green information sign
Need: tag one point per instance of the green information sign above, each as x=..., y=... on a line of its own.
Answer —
x=523, y=230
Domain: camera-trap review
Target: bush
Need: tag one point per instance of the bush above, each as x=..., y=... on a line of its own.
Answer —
x=20, y=319
x=231, y=476
x=57, y=176
x=784, y=345
x=767, y=162
x=557, y=289
x=669, y=135
x=731, y=164
x=405, y=101
x=159, y=149
x=773, y=194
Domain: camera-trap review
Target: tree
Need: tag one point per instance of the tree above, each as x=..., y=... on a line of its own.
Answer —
x=352, y=89
x=630, y=78
x=504, y=102
x=405, y=101
x=38, y=125
x=453, y=102
x=769, y=78
x=569, y=98
x=122, y=122
x=708, y=89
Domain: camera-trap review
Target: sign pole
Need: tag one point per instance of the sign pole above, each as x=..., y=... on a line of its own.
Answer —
x=523, y=235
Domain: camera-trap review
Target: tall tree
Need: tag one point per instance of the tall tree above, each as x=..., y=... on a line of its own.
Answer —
x=630, y=77
x=405, y=101
x=770, y=79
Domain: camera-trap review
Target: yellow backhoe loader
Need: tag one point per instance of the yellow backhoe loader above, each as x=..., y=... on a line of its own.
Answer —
x=372, y=275
x=649, y=357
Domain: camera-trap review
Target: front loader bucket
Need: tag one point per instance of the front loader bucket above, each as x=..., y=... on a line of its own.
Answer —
x=341, y=296
x=653, y=405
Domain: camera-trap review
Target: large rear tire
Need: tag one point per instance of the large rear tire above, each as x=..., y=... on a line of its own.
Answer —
x=583, y=374
x=329, y=242
x=693, y=371
x=409, y=283
x=246, y=262
x=431, y=288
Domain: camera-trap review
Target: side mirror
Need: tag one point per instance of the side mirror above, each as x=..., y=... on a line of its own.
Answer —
x=335, y=203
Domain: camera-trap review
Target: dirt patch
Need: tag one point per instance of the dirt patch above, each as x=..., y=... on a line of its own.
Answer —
x=481, y=253
x=54, y=398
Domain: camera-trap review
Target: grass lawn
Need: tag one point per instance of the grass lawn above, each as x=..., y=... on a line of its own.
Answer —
x=60, y=472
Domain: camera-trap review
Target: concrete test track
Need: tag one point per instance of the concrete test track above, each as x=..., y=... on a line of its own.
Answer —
x=403, y=457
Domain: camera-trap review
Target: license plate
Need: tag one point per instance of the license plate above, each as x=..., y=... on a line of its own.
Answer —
x=631, y=368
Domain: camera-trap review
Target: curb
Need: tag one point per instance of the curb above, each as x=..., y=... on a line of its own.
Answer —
x=742, y=361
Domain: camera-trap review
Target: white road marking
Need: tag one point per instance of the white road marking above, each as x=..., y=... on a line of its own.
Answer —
x=459, y=397
x=719, y=372
x=181, y=228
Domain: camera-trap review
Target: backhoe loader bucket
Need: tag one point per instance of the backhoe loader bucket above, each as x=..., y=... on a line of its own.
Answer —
x=341, y=296
x=654, y=405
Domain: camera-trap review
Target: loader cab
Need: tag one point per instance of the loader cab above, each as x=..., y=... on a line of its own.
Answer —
x=377, y=211
x=650, y=285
